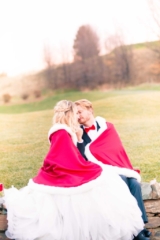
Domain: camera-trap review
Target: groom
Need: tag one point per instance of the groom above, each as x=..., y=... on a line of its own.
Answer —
x=102, y=143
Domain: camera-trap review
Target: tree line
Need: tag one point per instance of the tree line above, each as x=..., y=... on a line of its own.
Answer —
x=119, y=67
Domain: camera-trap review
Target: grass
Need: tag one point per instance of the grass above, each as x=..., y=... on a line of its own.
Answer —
x=24, y=128
x=49, y=102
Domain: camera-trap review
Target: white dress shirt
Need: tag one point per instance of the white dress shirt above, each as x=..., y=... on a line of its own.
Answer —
x=92, y=132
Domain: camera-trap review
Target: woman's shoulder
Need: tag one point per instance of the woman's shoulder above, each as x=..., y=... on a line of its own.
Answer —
x=61, y=130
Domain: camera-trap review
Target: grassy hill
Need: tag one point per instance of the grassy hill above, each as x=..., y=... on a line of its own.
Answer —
x=134, y=112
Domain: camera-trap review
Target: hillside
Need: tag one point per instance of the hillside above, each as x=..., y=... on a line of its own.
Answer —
x=102, y=71
x=148, y=60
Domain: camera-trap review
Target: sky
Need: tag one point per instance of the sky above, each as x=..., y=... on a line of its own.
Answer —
x=27, y=26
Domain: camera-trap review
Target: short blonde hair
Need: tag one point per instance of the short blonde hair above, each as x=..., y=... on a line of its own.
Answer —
x=84, y=103
x=65, y=113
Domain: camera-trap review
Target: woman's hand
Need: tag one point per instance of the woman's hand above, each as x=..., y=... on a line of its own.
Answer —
x=79, y=134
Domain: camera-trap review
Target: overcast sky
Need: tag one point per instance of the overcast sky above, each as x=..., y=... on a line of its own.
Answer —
x=27, y=25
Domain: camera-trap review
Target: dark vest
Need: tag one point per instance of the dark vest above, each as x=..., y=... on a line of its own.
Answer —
x=85, y=136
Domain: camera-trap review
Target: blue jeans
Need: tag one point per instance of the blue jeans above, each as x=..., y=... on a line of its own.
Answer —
x=135, y=189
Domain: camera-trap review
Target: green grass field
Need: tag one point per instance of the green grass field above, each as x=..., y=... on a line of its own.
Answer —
x=134, y=112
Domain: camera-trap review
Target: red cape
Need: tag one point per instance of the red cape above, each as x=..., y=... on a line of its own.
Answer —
x=108, y=149
x=64, y=166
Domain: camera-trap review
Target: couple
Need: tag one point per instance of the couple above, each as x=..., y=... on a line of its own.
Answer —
x=76, y=194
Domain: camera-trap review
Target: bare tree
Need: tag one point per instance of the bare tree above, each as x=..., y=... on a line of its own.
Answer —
x=154, y=6
x=65, y=57
x=48, y=59
x=121, y=58
x=47, y=55
x=86, y=43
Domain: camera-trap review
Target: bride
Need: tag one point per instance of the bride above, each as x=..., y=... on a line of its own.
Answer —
x=71, y=198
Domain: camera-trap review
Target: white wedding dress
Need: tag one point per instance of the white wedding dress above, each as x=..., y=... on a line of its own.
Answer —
x=102, y=209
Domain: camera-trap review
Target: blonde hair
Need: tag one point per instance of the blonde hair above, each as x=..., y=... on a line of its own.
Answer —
x=84, y=103
x=65, y=113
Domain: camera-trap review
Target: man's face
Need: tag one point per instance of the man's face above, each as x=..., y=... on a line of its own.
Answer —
x=84, y=114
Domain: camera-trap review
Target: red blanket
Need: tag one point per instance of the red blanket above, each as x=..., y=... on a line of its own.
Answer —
x=108, y=149
x=64, y=166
